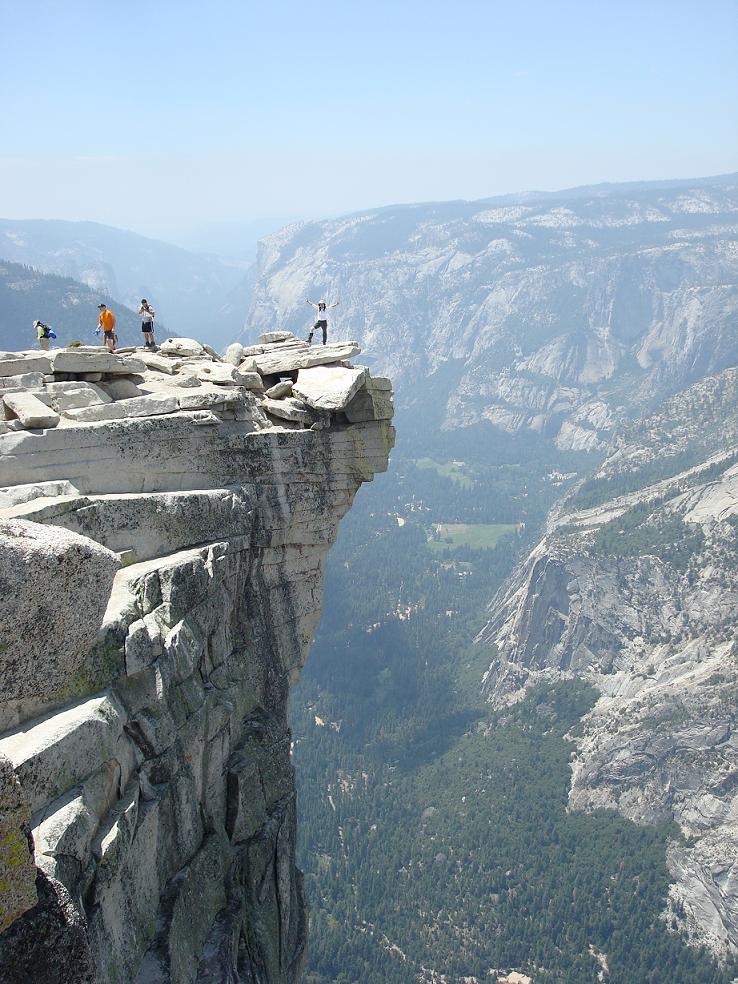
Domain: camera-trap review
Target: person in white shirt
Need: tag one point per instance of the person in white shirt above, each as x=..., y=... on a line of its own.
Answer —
x=321, y=321
x=147, y=322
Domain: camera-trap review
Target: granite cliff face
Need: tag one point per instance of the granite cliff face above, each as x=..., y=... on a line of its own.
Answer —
x=634, y=588
x=553, y=313
x=164, y=520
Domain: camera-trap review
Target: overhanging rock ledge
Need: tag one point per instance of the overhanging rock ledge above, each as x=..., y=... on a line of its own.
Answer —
x=163, y=529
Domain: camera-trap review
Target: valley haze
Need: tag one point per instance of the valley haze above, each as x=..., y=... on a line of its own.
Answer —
x=411, y=657
x=565, y=383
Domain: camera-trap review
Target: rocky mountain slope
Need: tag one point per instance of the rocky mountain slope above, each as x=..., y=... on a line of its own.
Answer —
x=164, y=520
x=559, y=313
x=188, y=290
x=634, y=589
x=66, y=304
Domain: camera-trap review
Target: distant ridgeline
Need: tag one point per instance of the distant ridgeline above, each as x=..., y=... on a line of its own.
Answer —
x=556, y=313
x=195, y=294
x=67, y=305
x=436, y=833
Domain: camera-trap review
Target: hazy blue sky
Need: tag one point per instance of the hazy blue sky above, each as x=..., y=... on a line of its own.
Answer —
x=158, y=115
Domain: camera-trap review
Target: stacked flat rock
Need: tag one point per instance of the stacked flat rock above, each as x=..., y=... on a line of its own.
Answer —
x=164, y=520
x=280, y=381
x=284, y=358
x=329, y=387
x=66, y=387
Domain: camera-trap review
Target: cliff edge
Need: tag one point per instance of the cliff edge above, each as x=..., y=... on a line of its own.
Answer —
x=164, y=520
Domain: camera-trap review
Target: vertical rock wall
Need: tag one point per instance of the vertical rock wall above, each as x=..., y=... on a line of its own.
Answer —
x=160, y=583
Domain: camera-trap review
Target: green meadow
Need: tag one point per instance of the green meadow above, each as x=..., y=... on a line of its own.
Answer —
x=480, y=536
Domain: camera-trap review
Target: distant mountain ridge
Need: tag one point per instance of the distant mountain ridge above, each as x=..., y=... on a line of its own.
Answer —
x=569, y=315
x=67, y=305
x=558, y=312
x=600, y=189
x=189, y=291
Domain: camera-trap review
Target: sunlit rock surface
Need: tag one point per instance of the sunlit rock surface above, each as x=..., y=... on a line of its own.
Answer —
x=554, y=313
x=162, y=571
x=648, y=616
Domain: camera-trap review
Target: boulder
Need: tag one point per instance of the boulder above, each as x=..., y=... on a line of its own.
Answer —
x=71, y=396
x=187, y=382
x=121, y=389
x=143, y=644
x=291, y=343
x=160, y=363
x=329, y=387
x=18, y=494
x=380, y=384
x=276, y=336
x=294, y=357
x=39, y=393
x=100, y=347
x=48, y=943
x=233, y=354
x=373, y=402
x=207, y=398
x=25, y=380
x=53, y=753
x=54, y=587
x=220, y=373
x=289, y=409
x=29, y=410
x=141, y=406
x=15, y=363
x=280, y=390
x=181, y=346
x=249, y=380
x=97, y=360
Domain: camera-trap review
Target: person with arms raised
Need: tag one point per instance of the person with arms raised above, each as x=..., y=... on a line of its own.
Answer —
x=321, y=309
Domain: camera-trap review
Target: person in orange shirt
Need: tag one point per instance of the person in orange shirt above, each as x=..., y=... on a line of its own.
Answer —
x=107, y=323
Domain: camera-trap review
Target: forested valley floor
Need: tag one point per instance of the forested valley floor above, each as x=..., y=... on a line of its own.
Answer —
x=435, y=839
